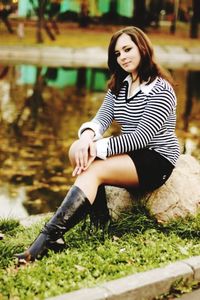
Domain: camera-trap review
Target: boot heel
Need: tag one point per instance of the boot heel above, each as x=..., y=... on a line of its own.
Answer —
x=23, y=258
x=57, y=246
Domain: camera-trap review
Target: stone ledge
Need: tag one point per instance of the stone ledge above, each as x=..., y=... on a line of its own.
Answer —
x=96, y=293
x=144, y=285
x=78, y=57
x=194, y=263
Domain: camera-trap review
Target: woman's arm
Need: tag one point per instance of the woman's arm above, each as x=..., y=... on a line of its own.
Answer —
x=89, y=132
x=156, y=112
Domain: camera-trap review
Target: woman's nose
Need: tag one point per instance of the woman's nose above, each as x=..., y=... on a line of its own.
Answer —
x=122, y=55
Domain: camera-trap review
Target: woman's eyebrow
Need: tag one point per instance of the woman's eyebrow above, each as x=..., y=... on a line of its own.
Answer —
x=128, y=45
x=124, y=47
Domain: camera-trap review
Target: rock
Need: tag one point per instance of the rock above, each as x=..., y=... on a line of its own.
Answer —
x=178, y=197
x=35, y=219
x=119, y=200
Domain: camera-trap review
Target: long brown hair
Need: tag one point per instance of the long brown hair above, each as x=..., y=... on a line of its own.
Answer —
x=148, y=69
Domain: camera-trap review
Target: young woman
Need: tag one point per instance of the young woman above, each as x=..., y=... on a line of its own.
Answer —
x=141, y=99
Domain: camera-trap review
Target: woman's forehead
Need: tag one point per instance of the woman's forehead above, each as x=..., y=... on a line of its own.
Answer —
x=122, y=41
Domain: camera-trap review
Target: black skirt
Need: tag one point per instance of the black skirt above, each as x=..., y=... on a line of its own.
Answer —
x=152, y=168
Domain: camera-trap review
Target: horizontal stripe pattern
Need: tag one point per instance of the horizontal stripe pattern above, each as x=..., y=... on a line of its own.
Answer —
x=146, y=120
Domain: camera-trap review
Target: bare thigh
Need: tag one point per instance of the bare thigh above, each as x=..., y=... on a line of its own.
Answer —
x=117, y=170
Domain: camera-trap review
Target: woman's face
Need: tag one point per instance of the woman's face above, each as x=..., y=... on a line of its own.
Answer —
x=127, y=53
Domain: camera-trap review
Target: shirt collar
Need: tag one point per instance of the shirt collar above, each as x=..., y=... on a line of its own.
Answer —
x=144, y=87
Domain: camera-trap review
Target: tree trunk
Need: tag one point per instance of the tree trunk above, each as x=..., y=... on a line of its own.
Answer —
x=195, y=19
x=39, y=37
x=139, y=14
x=189, y=99
x=174, y=18
x=84, y=14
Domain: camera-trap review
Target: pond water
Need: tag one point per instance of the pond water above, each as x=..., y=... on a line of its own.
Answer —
x=41, y=109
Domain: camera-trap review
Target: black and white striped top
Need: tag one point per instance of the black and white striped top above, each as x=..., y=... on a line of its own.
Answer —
x=147, y=119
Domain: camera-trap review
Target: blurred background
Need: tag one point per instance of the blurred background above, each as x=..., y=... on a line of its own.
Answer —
x=53, y=77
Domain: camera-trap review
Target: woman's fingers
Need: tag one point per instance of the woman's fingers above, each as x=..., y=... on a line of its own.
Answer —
x=77, y=171
x=84, y=156
x=81, y=157
x=92, y=149
x=90, y=161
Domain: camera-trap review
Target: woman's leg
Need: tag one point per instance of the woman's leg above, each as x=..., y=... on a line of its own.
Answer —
x=118, y=170
x=100, y=173
x=99, y=212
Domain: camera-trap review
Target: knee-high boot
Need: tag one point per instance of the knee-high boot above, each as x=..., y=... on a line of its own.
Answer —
x=72, y=210
x=99, y=212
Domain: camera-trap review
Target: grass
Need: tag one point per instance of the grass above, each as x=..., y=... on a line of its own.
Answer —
x=134, y=244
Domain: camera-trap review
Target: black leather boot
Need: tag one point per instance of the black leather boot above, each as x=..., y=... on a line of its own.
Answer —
x=72, y=210
x=99, y=212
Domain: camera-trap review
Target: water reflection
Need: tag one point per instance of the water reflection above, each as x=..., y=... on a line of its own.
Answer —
x=41, y=111
x=11, y=202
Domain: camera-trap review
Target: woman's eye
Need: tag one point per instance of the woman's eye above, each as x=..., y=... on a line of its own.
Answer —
x=117, y=54
x=127, y=49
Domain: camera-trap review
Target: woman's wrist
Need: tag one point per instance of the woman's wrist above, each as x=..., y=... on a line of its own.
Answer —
x=89, y=133
x=93, y=126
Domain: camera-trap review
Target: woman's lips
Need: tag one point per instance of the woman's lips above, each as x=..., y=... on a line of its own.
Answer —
x=126, y=64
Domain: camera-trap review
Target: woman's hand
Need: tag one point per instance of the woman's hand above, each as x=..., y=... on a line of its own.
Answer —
x=85, y=152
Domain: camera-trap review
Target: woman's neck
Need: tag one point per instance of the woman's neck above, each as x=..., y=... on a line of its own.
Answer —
x=134, y=77
x=134, y=85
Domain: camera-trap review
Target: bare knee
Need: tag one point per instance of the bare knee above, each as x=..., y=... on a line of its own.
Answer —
x=71, y=153
x=94, y=172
